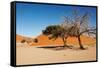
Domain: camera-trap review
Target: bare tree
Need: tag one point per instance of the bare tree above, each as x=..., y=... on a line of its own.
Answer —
x=79, y=26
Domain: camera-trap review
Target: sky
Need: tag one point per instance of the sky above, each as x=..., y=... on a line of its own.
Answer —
x=31, y=19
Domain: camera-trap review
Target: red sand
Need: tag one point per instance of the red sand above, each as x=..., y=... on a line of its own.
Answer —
x=44, y=40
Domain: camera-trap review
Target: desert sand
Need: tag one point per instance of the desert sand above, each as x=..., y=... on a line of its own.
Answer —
x=34, y=55
x=45, y=41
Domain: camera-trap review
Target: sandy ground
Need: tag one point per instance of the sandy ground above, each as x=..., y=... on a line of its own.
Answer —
x=33, y=55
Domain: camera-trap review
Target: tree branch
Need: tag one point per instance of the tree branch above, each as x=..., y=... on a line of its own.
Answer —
x=88, y=31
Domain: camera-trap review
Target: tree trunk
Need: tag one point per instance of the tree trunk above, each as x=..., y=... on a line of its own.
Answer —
x=64, y=41
x=79, y=40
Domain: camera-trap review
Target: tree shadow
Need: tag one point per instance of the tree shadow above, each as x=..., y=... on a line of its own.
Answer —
x=58, y=48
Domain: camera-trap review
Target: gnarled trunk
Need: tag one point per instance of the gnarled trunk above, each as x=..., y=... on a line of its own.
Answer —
x=64, y=41
x=80, y=43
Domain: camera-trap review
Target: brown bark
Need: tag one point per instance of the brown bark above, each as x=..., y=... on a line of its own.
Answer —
x=81, y=46
x=64, y=41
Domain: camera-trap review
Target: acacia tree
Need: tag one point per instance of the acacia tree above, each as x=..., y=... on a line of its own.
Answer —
x=74, y=26
x=55, y=31
x=79, y=25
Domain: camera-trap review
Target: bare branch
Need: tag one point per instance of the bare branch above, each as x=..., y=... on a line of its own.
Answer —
x=84, y=18
x=88, y=31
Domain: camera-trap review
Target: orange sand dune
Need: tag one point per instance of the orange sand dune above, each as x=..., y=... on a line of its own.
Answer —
x=44, y=40
x=19, y=38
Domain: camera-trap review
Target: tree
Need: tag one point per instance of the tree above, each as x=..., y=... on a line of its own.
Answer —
x=74, y=26
x=55, y=31
x=79, y=26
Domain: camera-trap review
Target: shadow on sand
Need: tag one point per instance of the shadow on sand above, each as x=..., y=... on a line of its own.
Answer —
x=57, y=48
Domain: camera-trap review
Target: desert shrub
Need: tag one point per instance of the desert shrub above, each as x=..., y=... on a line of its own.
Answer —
x=23, y=41
x=36, y=40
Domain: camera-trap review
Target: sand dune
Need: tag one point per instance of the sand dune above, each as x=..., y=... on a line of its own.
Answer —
x=19, y=38
x=44, y=40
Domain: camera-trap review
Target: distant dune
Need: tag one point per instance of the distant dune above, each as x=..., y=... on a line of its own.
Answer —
x=44, y=40
x=19, y=38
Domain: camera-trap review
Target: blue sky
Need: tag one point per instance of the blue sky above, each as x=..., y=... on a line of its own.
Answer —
x=31, y=19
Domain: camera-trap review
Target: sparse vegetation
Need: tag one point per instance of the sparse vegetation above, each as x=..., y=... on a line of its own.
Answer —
x=55, y=31
x=72, y=26
x=36, y=40
x=23, y=41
